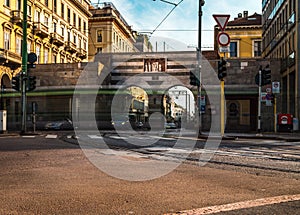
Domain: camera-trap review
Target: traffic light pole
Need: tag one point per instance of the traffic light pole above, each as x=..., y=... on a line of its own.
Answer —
x=24, y=68
x=259, y=101
x=222, y=83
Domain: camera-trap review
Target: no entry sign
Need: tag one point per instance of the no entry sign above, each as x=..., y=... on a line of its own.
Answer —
x=223, y=39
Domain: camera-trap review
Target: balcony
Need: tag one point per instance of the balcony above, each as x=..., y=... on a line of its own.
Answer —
x=81, y=53
x=70, y=47
x=41, y=30
x=17, y=17
x=10, y=59
x=56, y=39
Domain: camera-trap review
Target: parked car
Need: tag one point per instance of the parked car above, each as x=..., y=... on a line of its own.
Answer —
x=65, y=124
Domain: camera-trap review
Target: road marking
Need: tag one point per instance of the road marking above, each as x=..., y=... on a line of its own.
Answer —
x=28, y=136
x=240, y=205
x=51, y=136
x=95, y=137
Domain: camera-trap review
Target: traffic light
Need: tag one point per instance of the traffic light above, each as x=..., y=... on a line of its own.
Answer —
x=16, y=85
x=194, y=79
x=222, y=69
x=266, y=76
x=31, y=84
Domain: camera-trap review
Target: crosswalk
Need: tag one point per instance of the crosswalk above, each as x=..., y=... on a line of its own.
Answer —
x=266, y=149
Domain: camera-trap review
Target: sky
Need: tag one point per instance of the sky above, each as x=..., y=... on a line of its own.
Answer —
x=179, y=31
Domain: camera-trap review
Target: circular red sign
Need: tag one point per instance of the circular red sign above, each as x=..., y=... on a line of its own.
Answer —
x=223, y=39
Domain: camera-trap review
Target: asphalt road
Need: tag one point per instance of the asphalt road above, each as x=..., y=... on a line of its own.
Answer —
x=42, y=175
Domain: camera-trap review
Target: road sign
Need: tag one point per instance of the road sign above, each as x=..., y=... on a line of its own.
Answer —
x=221, y=20
x=276, y=87
x=224, y=49
x=223, y=39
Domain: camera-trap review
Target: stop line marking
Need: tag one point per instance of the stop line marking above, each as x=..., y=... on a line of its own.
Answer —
x=240, y=205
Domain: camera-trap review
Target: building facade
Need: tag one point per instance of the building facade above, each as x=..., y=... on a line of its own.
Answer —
x=57, y=31
x=245, y=34
x=281, y=40
x=109, y=31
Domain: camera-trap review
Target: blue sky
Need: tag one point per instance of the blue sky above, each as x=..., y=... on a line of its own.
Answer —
x=146, y=15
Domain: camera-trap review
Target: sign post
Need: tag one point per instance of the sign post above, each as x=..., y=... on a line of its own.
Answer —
x=223, y=40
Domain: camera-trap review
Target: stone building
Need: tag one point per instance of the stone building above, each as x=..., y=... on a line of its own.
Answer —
x=281, y=41
x=109, y=31
x=57, y=31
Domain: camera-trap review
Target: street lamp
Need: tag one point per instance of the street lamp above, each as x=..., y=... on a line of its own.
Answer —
x=201, y=4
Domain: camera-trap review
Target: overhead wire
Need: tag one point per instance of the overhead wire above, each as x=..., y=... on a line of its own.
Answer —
x=175, y=5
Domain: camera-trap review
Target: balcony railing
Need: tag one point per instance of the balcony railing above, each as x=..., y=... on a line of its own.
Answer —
x=81, y=53
x=10, y=59
x=41, y=29
x=57, y=39
x=70, y=47
x=16, y=16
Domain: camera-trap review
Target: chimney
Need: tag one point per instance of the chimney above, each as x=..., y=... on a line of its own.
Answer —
x=240, y=15
x=245, y=13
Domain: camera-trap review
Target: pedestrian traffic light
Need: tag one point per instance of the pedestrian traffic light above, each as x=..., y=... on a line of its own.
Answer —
x=31, y=84
x=194, y=79
x=222, y=69
x=16, y=83
x=266, y=76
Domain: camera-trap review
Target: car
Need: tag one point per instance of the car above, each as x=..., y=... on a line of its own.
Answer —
x=65, y=124
x=170, y=125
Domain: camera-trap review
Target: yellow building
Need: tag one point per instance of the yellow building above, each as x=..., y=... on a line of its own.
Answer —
x=109, y=32
x=57, y=32
x=245, y=34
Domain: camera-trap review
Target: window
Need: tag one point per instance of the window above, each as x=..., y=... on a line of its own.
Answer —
x=7, y=40
x=7, y=3
x=99, y=36
x=54, y=58
x=62, y=10
x=79, y=23
x=47, y=3
x=69, y=15
x=18, y=45
x=257, y=48
x=75, y=38
x=29, y=10
x=74, y=19
x=84, y=27
x=99, y=50
x=46, y=55
x=84, y=44
x=38, y=53
x=55, y=6
x=46, y=20
x=79, y=42
x=28, y=46
x=233, y=49
x=62, y=30
x=18, y=5
x=37, y=16
x=54, y=27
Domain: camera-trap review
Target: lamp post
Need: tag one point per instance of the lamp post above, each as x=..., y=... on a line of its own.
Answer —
x=201, y=4
x=24, y=67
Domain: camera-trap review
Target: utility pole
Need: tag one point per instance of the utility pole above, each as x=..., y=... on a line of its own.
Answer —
x=24, y=67
x=201, y=3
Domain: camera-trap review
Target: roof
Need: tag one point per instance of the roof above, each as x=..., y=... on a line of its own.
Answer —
x=254, y=19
